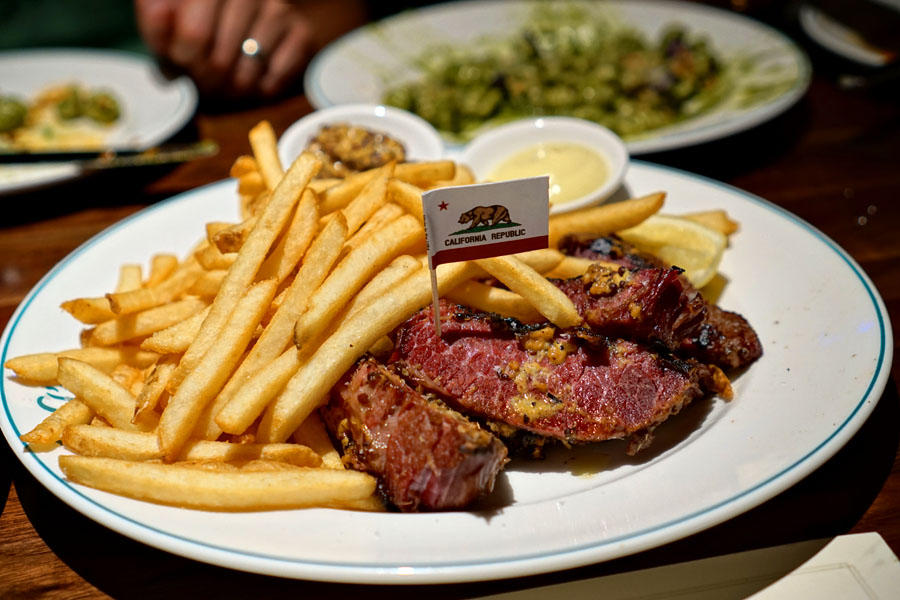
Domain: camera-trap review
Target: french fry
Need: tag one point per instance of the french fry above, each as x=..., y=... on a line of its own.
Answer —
x=130, y=278
x=211, y=372
x=323, y=252
x=208, y=284
x=230, y=239
x=542, y=260
x=242, y=165
x=41, y=369
x=252, y=205
x=211, y=258
x=295, y=240
x=161, y=267
x=312, y=434
x=265, y=151
x=384, y=215
x=214, y=490
x=492, y=299
x=605, y=219
x=251, y=184
x=370, y=199
x=426, y=171
x=134, y=325
x=320, y=184
x=89, y=311
x=463, y=176
x=408, y=196
x=249, y=259
x=570, y=266
x=123, y=303
x=715, y=219
x=310, y=384
x=339, y=196
x=385, y=280
x=50, y=430
x=102, y=394
x=176, y=338
x=154, y=387
x=109, y=442
x=352, y=273
x=549, y=300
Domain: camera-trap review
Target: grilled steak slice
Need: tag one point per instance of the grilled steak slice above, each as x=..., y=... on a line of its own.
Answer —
x=650, y=304
x=571, y=385
x=723, y=338
x=425, y=455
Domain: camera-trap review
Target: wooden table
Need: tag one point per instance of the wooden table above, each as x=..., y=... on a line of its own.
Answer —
x=832, y=159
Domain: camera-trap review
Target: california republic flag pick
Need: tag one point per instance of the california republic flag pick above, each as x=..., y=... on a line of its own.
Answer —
x=468, y=222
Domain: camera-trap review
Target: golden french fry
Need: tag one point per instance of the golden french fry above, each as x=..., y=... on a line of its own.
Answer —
x=161, y=267
x=605, y=219
x=211, y=258
x=542, y=260
x=370, y=199
x=232, y=238
x=42, y=368
x=385, y=280
x=217, y=490
x=211, y=372
x=352, y=273
x=89, y=310
x=50, y=430
x=154, y=387
x=384, y=215
x=130, y=278
x=295, y=240
x=176, y=338
x=311, y=383
x=463, y=176
x=570, y=266
x=102, y=394
x=429, y=171
x=253, y=205
x=251, y=184
x=339, y=196
x=235, y=417
x=123, y=303
x=320, y=184
x=242, y=165
x=408, y=196
x=492, y=299
x=265, y=151
x=250, y=257
x=128, y=377
x=251, y=398
x=548, y=299
x=208, y=284
x=109, y=442
x=714, y=219
x=144, y=323
x=312, y=434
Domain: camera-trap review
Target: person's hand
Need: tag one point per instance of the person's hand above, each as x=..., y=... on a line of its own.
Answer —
x=243, y=47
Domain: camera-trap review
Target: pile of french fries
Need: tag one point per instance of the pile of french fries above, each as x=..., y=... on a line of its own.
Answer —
x=197, y=385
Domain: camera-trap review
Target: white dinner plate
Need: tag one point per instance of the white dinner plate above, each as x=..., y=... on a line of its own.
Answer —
x=360, y=66
x=153, y=107
x=827, y=343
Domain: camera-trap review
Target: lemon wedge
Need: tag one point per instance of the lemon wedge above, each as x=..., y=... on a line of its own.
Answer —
x=692, y=246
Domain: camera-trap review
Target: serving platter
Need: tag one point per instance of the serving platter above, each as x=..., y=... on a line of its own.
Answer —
x=153, y=107
x=773, y=73
x=827, y=354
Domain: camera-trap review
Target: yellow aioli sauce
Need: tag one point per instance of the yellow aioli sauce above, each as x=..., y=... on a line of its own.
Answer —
x=574, y=169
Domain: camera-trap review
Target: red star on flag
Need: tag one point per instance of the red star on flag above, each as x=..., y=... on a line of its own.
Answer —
x=442, y=206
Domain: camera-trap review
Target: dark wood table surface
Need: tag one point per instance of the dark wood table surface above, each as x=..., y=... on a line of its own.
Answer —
x=833, y=159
